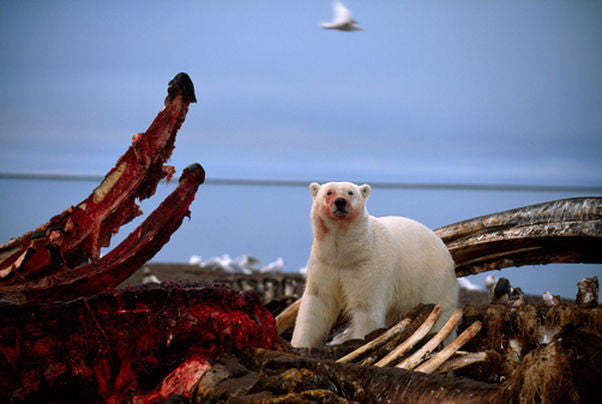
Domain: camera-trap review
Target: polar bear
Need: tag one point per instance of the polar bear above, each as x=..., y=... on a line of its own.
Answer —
x=376, y=269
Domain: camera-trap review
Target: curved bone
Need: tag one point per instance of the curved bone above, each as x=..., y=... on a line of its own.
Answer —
x=376, y=342
x=568, y=230
x=436, y=361
x=422, y=353
x=413, y=339
x=76, y=235
x=109, y=271
x=461, y=361
x=286, y=319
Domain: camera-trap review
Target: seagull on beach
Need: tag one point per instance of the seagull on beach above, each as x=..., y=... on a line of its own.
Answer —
x=149, y=277
x=342, y=20
x=273, y=267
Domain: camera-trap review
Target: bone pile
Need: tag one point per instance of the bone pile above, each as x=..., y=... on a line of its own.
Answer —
x=390, y=350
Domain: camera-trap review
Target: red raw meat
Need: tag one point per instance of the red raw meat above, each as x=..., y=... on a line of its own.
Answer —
x=76, y=235
x=120, y=344
x=112, y=269
x=138, y=345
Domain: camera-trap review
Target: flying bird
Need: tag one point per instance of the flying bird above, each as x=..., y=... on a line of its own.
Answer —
x=342, y=20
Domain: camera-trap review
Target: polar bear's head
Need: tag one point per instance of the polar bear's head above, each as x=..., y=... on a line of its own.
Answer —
x=339, y=201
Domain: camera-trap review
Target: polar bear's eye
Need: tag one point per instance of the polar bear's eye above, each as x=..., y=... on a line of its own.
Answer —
x=350, y=193
x=329, y=193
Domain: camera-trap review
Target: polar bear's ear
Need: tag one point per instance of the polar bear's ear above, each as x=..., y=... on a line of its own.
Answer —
x=314, y=187
x=365, y=190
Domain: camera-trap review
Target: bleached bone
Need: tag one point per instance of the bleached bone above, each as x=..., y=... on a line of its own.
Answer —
x=566, y=230
x=413, y=339
x=286, y=319
x=377, y=342
x=436, y=361
x=461, y=361
x=412, y=361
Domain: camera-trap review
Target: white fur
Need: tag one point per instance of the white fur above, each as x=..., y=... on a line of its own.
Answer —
x=377, y=269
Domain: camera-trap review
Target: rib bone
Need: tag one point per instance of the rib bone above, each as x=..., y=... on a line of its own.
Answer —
x=412, y=361
x=462, y=361
x=110, y=270
x=413, y=340
x=376, y=342
x=436, y=361
x=286, y=319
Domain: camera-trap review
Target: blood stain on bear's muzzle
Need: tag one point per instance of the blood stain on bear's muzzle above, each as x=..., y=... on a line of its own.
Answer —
x=340, y=206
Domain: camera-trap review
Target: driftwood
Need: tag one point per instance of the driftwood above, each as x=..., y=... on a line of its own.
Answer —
x=568, y=230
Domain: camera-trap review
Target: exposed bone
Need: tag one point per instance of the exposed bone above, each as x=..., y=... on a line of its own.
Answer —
x=286, y=319
x=5, y=253
x=110, y=270
x=84, y=230
x=461, y=361
x=105, y=186
x=568, y=230
x=376, y=342
x=412, y=361
x=413, y=340
x=436, y=361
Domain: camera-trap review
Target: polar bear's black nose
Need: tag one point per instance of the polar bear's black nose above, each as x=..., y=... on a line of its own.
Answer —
x=340, y=203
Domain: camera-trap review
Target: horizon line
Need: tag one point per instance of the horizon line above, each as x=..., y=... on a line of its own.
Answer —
x=297, y=183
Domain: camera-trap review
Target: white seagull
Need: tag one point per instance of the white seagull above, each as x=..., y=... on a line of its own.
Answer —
x=343, y=21
x=148, y=276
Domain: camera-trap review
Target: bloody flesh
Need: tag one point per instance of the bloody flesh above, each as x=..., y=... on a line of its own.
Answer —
x=121, y=343
x=109, y=271
x=76, y=235
x=137, y=345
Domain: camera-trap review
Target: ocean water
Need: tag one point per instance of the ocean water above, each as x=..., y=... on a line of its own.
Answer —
x=269, y=222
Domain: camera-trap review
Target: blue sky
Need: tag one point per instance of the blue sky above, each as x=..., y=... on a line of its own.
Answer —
x=431, y=91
